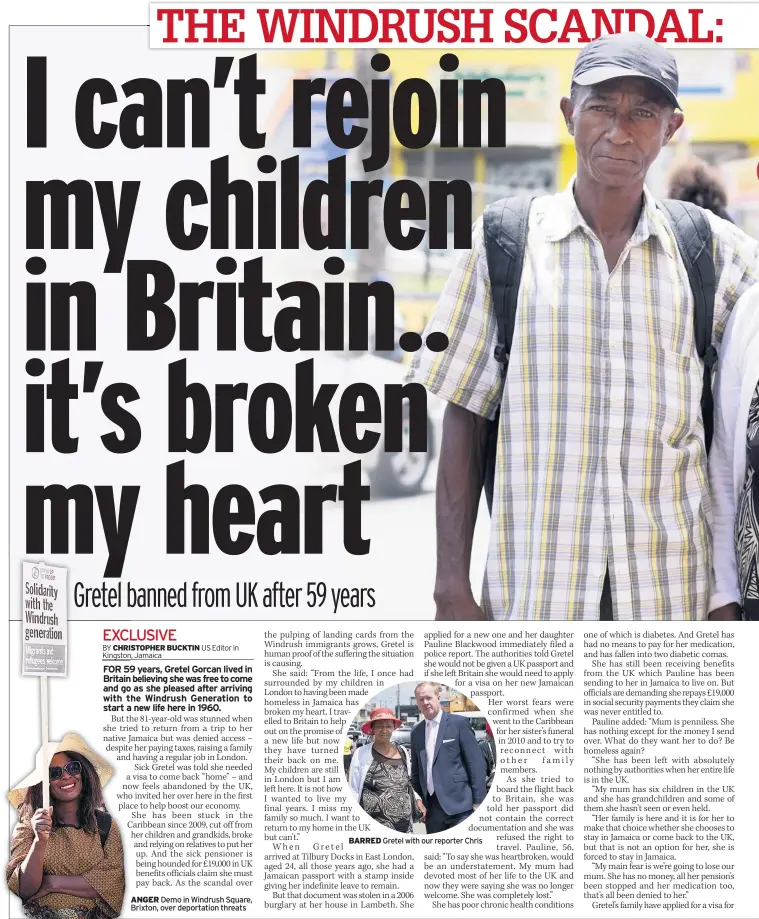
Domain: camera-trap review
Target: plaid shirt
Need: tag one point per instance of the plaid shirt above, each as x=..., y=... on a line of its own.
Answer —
x=601, y=459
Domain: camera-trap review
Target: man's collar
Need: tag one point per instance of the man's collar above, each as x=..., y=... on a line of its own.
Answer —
x=562, y=217
x=437, y=717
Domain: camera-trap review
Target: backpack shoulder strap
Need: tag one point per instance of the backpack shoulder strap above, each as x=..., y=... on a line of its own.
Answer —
x=505, y=230
x=693, y=234
x=104, y=821
x=504, y=227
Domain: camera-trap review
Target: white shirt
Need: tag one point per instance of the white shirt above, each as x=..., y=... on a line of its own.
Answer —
x=734, y=387
x=431, y=728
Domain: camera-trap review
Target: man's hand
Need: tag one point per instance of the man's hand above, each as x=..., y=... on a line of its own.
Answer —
x=460, y=606
x=422, y=810
x=475, y=806
x=729, y=613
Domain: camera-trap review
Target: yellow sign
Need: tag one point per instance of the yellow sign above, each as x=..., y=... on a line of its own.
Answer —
x=531, y=92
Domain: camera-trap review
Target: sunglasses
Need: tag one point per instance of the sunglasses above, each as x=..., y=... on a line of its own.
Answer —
x=72, y=768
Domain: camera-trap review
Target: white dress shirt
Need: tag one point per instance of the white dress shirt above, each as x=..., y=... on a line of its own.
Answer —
x=431, y=728
x=736, y=382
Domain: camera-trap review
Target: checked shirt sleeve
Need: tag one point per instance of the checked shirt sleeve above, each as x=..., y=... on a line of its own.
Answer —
x=467, y=372
x=736, y=263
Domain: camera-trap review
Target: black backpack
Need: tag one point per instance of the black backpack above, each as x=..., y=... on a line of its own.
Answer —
x=505, y=229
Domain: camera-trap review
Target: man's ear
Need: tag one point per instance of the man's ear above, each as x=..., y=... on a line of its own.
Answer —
x=675, y=123
x=567, y=110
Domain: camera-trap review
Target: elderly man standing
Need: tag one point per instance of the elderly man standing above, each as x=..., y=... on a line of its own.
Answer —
x=601, y=505
x=447, y=766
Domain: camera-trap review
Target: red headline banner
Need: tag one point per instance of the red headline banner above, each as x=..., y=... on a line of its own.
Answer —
x=442, y=25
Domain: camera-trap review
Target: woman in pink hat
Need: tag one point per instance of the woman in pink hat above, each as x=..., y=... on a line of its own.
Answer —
x=380, y=776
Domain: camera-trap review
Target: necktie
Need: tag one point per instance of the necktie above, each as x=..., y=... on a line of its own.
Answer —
x=430, y=747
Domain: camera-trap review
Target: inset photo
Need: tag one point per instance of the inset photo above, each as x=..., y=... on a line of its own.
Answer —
x=419, y=757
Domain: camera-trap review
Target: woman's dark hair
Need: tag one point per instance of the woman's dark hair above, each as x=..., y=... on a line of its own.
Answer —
x=90, y=799
x=698, y=182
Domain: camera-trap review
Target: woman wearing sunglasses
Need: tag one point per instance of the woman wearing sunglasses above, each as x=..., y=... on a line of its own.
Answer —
x=66, y=860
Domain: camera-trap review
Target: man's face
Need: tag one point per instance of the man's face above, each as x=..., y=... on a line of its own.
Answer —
x=428, y=701
x=619, y=128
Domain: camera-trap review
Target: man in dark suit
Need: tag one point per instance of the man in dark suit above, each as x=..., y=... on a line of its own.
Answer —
x=447, y=765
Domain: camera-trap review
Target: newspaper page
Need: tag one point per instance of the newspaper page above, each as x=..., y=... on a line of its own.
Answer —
x=383, y=494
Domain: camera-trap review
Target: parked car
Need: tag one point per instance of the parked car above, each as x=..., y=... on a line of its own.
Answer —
x=402, y=737
x=477, y=721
